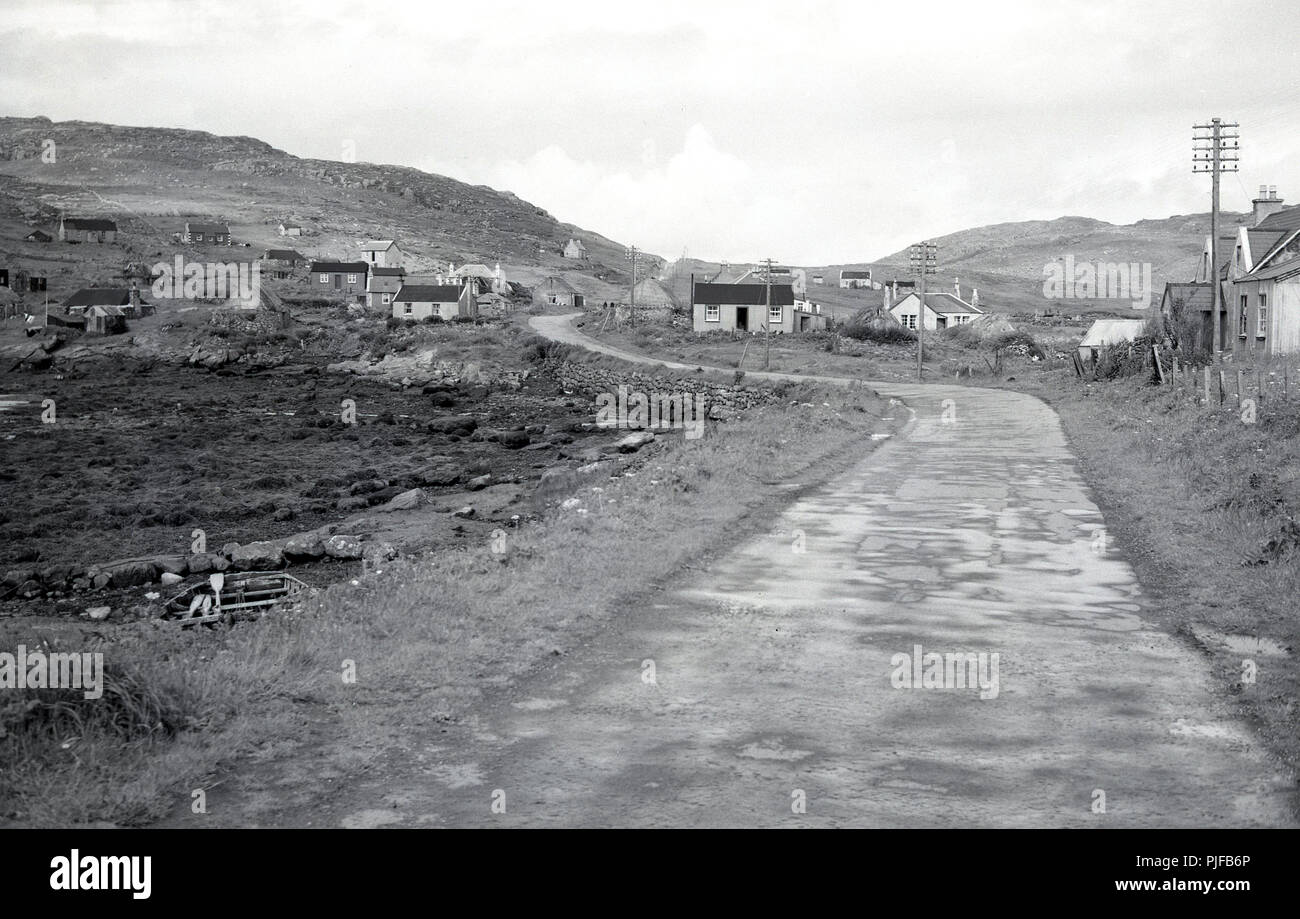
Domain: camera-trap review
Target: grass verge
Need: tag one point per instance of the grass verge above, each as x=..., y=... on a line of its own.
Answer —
x=425, y=637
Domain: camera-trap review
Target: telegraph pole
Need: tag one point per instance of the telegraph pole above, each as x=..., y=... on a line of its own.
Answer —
x=923, y=256
x=1216, y=152
x=767, y=316
x=631, y=310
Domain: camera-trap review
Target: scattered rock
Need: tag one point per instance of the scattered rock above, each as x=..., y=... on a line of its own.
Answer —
x=513, y=440
x=480, y=482
x=130, y=572
x=206, y=562
x=173, y=564
x=340, y=546
x=464, y=513
x=168, y=578
x=440, y=476
x=99, y=613
x=304, y=546
x=464, y=425
x=632, y=442
x=258, y=556
x=406, y=501
x=379, y=552
x=18, y=576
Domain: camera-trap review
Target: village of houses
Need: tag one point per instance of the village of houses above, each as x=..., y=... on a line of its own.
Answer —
x=1257, y=270
x=375, y=277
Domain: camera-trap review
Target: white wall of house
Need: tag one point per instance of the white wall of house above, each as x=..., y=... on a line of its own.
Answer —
x=905, y=312
x=1284, y=318
x=722, y=318
x=388, y=258
x=423, y=309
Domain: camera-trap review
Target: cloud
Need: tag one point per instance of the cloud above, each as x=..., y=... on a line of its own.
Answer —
x=700, y=197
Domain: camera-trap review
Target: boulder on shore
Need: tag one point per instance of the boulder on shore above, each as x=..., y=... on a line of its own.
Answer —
x=258, y=556
x=340, y=546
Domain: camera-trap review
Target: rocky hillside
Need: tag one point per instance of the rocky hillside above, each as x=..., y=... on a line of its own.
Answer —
x=151, y=179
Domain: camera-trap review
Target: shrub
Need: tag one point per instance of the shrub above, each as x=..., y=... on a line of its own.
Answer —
x=878, y=329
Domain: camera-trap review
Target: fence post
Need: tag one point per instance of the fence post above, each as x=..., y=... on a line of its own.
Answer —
x=1207, y=386
x=1239, y=385
x=1223, y=389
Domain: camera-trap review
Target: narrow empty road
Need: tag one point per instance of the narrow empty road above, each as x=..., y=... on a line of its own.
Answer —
x=763, y=691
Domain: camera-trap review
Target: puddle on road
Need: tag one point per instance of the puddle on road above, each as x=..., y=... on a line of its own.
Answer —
x=540, y=705
x=1241, y=644
x=1229, y=732
x=772, y=749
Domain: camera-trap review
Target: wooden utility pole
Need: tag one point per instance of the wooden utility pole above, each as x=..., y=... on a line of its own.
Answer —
x=631, y=310
x=923, y=256
x=767, y=315
x=1216, y=152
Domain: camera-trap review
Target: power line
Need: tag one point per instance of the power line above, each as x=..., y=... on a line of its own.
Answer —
x=1216, y=152
x=924, y=257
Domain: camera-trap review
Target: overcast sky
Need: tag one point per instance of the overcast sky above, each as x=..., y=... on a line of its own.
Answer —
x=811, y=132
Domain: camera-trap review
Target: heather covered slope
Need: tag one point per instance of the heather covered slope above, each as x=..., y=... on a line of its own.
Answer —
x=151, y=179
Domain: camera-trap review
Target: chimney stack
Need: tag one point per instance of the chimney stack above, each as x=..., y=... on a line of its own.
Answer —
x=1267, y=203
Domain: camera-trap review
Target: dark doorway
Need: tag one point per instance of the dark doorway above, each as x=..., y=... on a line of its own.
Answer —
x=742, y=318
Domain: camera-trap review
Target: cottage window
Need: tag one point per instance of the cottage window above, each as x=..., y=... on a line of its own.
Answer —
x=713, y=313
x=408, y=309
x=386, y=298
x=1242, y=322
x=352, y=279
x=774, y=314
x=909, y=321
x=1262, y=327
x=324, y=277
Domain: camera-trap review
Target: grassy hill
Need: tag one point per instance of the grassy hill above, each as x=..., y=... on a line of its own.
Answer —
x=150, y=180
x=1005, y=262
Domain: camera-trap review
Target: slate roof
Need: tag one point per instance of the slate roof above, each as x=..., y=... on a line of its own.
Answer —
x=942, y=303
x=428, y=293
x=851, y=275
x=377, y=245
x=388, y=272
x=99, y=296
x=208, y=229
x=1286, y=219
x=284, y=255
x=743, y=294
x=1196, y=295
x=339, y=267
x=89, y=223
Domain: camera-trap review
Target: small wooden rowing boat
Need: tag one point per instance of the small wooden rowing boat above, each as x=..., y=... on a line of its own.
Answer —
x=225, y=597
